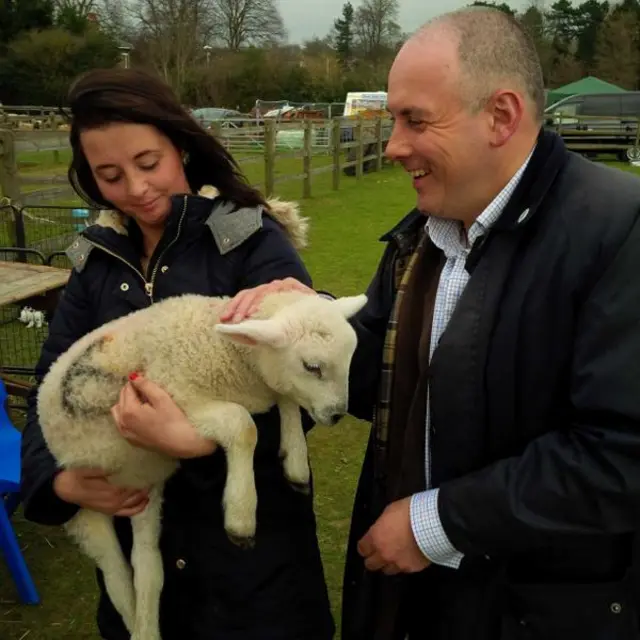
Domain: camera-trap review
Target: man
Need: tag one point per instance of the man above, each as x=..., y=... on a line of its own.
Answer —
x=499, y=360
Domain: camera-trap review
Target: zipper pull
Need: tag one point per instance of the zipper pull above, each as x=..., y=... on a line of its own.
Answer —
x=148, y=287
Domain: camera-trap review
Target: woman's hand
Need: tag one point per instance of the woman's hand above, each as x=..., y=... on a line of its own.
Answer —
x=147, y=417
x=91, y=489
x=246, y=302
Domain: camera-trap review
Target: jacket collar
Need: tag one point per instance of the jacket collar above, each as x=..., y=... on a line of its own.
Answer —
x=549, y=157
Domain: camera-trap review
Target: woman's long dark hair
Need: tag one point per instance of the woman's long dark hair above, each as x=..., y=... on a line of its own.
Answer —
x=104, y=96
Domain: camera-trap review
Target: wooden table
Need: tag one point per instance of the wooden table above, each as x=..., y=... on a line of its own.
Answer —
x=33, y=285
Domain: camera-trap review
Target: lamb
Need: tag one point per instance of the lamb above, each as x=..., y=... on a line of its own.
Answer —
x=294, y=353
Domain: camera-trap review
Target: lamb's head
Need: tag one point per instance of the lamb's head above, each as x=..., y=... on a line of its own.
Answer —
x=304, y=351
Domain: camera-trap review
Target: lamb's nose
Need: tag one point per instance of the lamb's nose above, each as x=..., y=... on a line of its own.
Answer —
x=336, y=417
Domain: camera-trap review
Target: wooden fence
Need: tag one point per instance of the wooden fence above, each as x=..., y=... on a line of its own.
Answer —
x=272, y=153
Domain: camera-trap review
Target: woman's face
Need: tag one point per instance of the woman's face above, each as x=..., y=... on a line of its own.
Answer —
x=136, y=168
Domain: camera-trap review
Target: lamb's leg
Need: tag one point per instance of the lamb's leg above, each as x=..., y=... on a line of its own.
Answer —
x=96, y=536
x=148, y=574
x=293, y=446
x=232, y=427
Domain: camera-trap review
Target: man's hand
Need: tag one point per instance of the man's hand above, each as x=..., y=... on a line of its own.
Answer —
x=389, y=544
x=245, y=303
x=148, y=418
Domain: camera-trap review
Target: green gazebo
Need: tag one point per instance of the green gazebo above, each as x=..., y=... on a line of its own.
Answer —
x=590, y=84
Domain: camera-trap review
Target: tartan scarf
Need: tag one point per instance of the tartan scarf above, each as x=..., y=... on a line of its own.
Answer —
x=403, y=269
x=399, y=421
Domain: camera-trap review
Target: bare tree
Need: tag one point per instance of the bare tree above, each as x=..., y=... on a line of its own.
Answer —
x=244, y=22
x=376, y=28
x=172, y=35
x=115, y=17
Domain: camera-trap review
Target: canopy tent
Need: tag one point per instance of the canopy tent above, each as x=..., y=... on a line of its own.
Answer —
x=590, y=84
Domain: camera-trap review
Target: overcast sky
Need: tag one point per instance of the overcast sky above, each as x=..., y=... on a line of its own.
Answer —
x=305, y=19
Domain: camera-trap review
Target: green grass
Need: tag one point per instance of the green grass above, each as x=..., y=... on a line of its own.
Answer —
x=342, y=256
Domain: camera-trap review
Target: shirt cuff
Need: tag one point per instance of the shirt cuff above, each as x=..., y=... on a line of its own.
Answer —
x=429, y=532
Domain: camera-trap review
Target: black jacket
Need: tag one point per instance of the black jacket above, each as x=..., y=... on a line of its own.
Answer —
x=212, y=588
x=535, y=404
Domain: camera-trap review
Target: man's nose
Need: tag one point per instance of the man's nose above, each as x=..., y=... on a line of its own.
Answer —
x=397, y=148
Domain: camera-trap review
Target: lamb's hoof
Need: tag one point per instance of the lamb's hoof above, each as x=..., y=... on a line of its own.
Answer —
x=244, y=542
x=300, y=487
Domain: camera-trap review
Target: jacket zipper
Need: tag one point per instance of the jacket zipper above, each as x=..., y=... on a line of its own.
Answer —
x=148, y=284
x=148, y=287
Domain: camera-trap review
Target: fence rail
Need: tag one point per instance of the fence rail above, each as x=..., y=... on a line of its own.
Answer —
x=273, y=152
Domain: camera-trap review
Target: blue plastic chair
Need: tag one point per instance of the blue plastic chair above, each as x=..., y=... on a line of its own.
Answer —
x=10, y=439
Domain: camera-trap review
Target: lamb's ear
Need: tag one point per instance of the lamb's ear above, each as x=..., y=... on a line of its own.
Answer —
x=255, y=332
x=350, y=305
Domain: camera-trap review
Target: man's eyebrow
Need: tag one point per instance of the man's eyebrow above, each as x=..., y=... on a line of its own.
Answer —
x=136, y=157
x=414, y=111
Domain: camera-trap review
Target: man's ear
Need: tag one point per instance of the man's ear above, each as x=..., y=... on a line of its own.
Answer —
x=256, y=332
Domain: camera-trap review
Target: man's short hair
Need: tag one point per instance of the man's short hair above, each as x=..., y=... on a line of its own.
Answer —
x=493, y=48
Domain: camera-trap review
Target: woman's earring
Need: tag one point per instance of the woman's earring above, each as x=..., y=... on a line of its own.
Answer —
x=185, y=157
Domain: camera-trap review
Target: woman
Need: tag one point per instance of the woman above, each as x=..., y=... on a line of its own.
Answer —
x=135, y=151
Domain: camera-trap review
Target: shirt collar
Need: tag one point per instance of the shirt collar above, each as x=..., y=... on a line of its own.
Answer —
x=449, y=235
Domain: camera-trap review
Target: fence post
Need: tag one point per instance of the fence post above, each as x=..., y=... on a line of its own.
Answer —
x=379, y=145
x=359, y=148
x=9, y=184
x=269, y=155
x=336, y=141
x=306, y=159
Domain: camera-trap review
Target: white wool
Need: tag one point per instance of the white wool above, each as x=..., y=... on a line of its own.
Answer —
x=296, y=352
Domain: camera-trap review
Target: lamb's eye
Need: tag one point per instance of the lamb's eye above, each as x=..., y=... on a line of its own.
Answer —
x=313, y=368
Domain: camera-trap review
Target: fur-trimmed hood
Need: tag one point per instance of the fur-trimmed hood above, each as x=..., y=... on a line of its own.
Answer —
x=287, y=214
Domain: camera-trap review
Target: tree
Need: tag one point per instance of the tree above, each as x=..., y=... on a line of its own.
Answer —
x=73, y=15
x=17, y=16
x=617, y=57
x=502, y=6
x=589, y=17
x=563, y=23
x=172, y=36
x=376, y=28
x=344, y=35
x=40, y=65
x=239, y=23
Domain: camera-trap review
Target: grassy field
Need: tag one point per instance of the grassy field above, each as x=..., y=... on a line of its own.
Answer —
x=345, y=226
x=338, y=263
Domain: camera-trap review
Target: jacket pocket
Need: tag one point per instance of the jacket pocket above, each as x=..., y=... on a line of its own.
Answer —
x=596, y=611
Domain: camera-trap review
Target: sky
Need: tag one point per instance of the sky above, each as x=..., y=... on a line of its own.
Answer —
x=305, y=19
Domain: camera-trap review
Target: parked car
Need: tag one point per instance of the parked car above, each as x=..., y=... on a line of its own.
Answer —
x=611, y=117
x=208, y=115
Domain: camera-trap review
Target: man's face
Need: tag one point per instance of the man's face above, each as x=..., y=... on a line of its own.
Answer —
x=435, y=136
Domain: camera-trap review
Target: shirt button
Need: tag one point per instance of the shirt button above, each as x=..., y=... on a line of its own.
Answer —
x=616, y=607
x=181, y=564
x=124, y=287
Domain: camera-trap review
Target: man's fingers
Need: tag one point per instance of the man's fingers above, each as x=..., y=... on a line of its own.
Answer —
x=365, y=546
x=251, y=300
x=231, y=307
x=374, y=562
x=390, y=570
